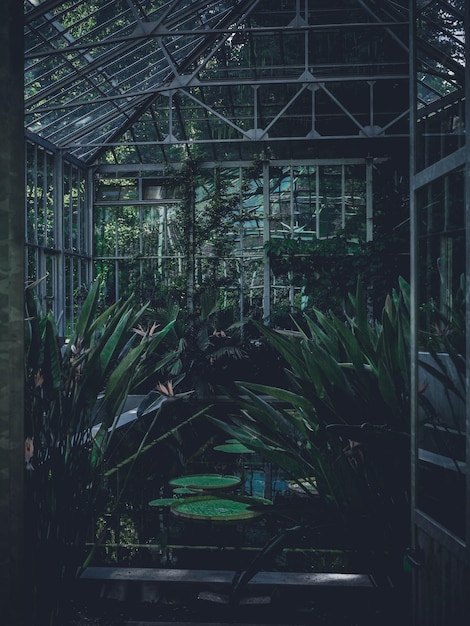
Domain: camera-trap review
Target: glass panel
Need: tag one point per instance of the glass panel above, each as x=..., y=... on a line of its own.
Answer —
x=40, y=206
x=149, y=286
x=50, y=281
x=128, y=231
x=31, y=204
x=229, y=226
x=69, y=295
x=441, y=80
x=117, y=190
x=440, y=131
x=355, y=201
x=76, y=213
x=39, y=192
x=252, y=285
x=83, y=213
x=305, y=201
x=280, y=203
x=152, y=230
x=75, y=221
x=441, y=428
x=49, y=208
x=67, y=208
x=331, y=201
x=31, y=263
x=107, y=270
x=105, y=232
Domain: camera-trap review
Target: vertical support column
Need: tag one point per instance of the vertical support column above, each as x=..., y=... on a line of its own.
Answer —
x=12, y=271
x=241, y=266
x=292, y=206
x=343, y=196
x=414, y=297
x=255, y=111
x=414, y=378
x=467, y=269
x=317, y=201
x=369, y=202
x=266, y=235
x=88, y=216
x=59, y=274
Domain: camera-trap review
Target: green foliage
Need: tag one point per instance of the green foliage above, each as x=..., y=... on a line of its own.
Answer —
x=343, y=420
x=327, y=269
x=68, y=388
x=203, y=346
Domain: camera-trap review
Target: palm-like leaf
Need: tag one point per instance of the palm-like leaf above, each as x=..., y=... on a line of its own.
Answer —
x=342, y=375
x=66, y=387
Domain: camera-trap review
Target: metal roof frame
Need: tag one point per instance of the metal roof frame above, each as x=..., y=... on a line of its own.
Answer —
x=136, y=75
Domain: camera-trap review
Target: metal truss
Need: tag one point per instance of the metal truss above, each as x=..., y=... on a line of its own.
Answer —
x=140, y=78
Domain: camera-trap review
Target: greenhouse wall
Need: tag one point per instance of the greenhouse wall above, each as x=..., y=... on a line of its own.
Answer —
x=57, y=232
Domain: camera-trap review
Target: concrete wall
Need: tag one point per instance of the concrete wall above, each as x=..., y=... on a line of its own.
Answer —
x=13, y=592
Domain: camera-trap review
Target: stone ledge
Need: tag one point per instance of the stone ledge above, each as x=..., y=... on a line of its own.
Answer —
x=225, y=577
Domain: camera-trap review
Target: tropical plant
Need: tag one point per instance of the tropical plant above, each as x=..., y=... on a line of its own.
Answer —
x=73, y=394
x=327, y=269
x=342, y=425
x=203, y=346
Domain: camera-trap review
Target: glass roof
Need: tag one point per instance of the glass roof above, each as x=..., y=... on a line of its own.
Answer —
x=441, y=48
x=139, y=81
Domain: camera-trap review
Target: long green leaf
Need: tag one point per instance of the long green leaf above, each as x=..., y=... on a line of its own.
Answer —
x=88, y=310
x=279, y=394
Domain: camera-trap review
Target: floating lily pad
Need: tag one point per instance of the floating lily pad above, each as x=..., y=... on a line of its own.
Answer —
x=163, y=502
x=205, y=481
x=212, y=508
x=184, y=491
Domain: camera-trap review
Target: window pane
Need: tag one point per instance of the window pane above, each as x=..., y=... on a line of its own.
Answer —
x=442, y=400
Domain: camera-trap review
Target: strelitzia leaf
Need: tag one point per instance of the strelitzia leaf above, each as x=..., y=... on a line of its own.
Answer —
x=114, y=339
x=317, y=333
x=351, y=346
x=88, y=310
x=279, y=394
x=387, y=388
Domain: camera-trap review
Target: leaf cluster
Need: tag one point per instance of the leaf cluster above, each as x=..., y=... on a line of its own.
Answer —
x=327, y=269
x=343, y=419
x=74, y=391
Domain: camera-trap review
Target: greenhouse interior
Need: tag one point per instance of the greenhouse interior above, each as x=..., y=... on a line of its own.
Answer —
x=234, y=312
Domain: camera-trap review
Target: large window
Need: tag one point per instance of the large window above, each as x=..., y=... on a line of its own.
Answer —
x=440, y=128
x=57, y=239
x=441, y=195
x=151, y=233
x=441, y=477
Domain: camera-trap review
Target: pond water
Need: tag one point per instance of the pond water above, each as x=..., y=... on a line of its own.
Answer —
x=140, y=534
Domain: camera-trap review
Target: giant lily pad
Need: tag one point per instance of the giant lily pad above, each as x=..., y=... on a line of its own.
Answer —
x=184, y=491
x=163, y=502
x=215, y=509
x=206, y=481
